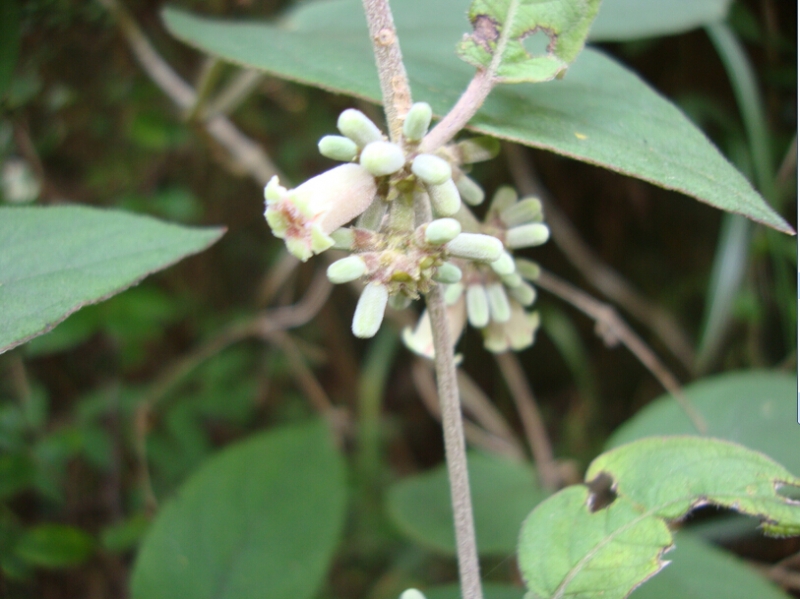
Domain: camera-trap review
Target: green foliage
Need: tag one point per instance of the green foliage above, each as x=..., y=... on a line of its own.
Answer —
x=9, y=43
x=567, y=548
x=420, y=505
x=54, y=546
x=57, y=260
x=265, y=515
x=601, y=113
x=507, y=23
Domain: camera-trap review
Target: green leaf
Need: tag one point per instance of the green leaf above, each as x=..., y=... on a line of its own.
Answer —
x=757, y=409
x=599, y=113
x=54, y=546
x=55, y=260
x=260, y=519
x=420, y=505
x=698, y=570
x=621, y=20
x=567, y=549
x=503, y=25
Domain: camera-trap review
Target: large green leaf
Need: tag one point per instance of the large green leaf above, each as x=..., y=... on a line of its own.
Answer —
x=261, y=519
x=698, y=570
x=505, y=24
x=631, y=19
x=755, y=408
x=420, y=505
x=55, y=260
x=599, y=113
x=566, y=549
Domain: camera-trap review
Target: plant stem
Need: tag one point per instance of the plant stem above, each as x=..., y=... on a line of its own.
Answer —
x=391, y=70
x=455, y=448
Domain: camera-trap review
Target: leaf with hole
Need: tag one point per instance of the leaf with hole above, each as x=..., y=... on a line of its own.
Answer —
x=55, y=260
x=600, y=113
x=504, y=25
x=568, y=548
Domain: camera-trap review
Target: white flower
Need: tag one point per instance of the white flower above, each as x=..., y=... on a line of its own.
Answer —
x=305, y=216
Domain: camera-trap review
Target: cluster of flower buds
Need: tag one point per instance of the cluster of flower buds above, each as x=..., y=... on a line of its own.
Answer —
x=492, y=296
x=384, y=184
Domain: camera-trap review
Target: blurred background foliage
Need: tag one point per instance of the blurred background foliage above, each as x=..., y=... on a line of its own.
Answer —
x=81, y=122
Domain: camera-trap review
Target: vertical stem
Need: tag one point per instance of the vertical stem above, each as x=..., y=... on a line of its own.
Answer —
x=391, y=71
x=455, y=448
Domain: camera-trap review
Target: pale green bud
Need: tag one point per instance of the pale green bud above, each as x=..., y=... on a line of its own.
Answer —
x=478, y=149
x=527, y=235
x=499, y=307
x=354, y=124
x=477, y=306
x=452, y=293
x=525, y=294
x=470, y=192
x=525, y=211
x=370, y=309
x=504, y=265
x=417, y=121
x=382, y=158
x=337, y=147
x=503, y=198
x=346, y=270
x=528, y=269
x=411, y=594
x=431, y=169
x=512, y=280
x=447, y=273
x=442, y=230
x=476, y=246
x=444, y=198
x=343, y=239
x=399, y=301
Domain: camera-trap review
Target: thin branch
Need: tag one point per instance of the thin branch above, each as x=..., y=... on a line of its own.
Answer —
x=244, y=151
x=229, y=99
x=476, y=436
x=613, y=329
x=455, y=449
x=609, y=282
x=532, y=420
x=389, y=60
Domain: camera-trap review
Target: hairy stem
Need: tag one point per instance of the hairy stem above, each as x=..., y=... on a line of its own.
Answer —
x=455, y=448
x=391, y=71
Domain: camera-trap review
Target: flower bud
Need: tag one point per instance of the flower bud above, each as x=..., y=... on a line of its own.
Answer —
x=452, y=293
x=304, y=217
x=475, y=246
x=447, y=273
x=411, y=594
x=525, y=294
x=442, y=230
x=527, y=235
x=346, y=270
x=499, y=307
x=399, y=301
x=444, y=198
x=525, y=211
x=504, y=265
x=431, y=169
x=478, y=149
x=382, y=158
x=470, y=192
x=337, y=147
x=477, y=306
x=369, y=312
x=417, y=121
x=343, y=239
x=527, y=269
x=354, y=124
x=512, y=280
x=503, y=198
x=517, y=333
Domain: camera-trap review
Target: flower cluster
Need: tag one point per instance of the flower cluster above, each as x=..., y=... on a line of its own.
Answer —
x=391, y=188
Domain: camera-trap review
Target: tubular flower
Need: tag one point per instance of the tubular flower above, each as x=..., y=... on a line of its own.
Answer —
x=305, y=216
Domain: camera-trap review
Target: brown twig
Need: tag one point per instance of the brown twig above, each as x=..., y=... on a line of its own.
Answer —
x=612, y=329
x=532, y=420
x=609, y=282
